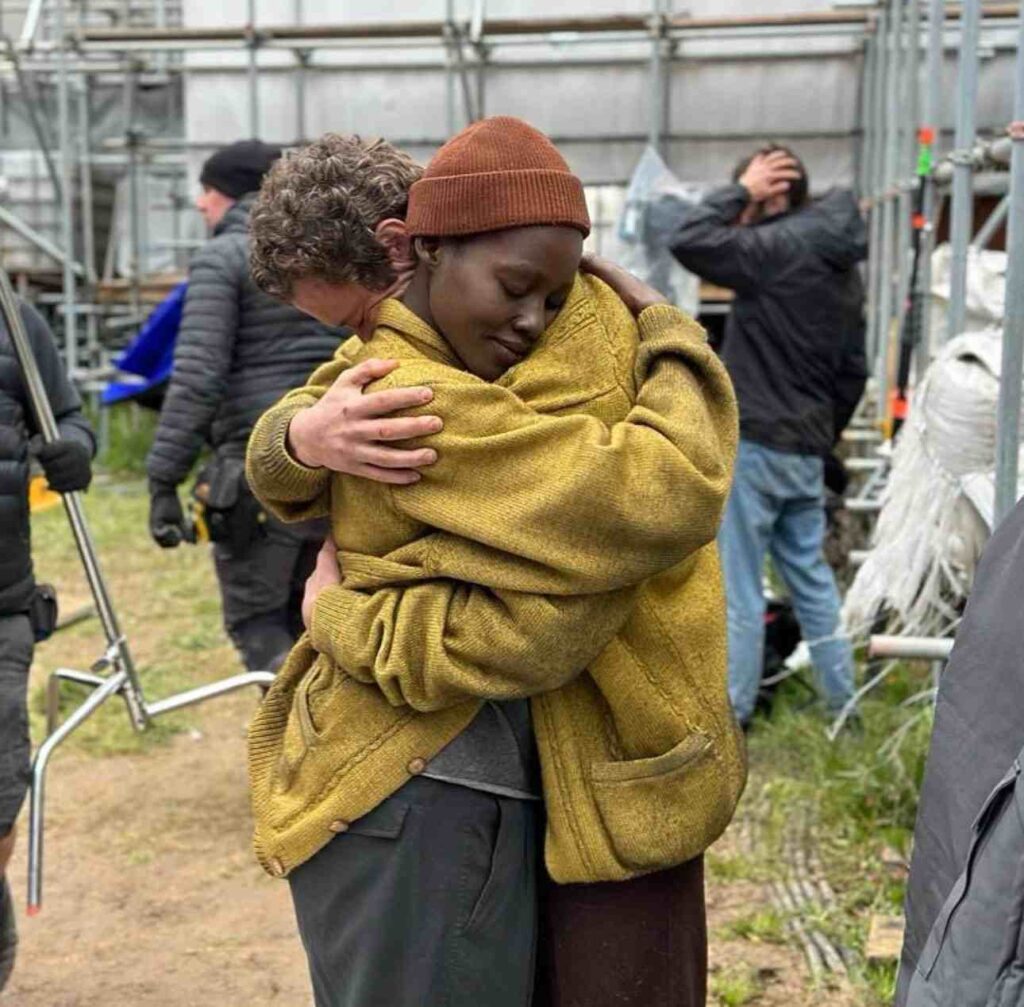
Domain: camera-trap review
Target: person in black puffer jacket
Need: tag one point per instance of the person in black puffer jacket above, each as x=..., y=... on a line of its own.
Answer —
x=67, y=465
x=238, y=352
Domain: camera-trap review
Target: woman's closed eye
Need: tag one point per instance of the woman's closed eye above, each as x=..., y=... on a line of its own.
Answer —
x=515, y=291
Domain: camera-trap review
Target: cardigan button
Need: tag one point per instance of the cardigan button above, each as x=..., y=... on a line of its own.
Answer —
x=416, y=766
x=339, y=825
x=276, y=867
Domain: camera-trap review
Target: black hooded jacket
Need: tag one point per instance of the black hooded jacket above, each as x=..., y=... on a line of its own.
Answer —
x=794, y=341
x=238, y=352
x=17, y=426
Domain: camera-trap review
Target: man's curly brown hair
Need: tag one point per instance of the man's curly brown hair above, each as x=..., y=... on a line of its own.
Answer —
x=318, y=209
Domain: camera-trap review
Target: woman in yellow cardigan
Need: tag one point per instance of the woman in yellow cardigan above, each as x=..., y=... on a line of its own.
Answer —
x=494, y=579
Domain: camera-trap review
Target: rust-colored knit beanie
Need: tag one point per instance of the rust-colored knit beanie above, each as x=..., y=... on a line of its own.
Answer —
x=496, y=174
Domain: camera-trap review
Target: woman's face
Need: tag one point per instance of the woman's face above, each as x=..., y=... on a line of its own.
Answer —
x=492, y=295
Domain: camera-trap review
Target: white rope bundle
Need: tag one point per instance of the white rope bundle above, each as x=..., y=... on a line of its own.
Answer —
x=929, y=536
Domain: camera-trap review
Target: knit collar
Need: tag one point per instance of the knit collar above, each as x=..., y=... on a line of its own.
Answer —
x=393, y=314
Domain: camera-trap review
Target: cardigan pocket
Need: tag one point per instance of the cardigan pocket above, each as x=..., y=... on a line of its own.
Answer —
x=320, y=697
x=662, y=811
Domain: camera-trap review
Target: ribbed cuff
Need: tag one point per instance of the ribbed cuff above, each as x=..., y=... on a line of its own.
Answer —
x=665, y=329
x=328, y=619
x=295, y=480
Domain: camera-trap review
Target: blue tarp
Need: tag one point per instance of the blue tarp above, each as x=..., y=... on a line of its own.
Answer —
x=148, y=359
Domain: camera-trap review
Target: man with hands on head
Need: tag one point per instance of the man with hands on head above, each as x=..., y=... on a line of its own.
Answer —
x=794, y=348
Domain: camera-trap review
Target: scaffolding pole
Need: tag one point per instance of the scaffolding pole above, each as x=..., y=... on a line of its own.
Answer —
x=890, y=186
x=1008, y=430
x=67, y=159
x=880, y=65
x=253, y=42
x=867, y=121
x=909, y=38
x=302, y=58
x=480, y=49
x=931, y=115
x=962, y=207
x=659, y=76
x=133, y=142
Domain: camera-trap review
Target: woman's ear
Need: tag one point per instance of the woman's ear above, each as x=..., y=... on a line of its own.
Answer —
x=428, y=251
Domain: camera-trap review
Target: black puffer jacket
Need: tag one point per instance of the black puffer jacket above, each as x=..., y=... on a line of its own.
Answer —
x=794, y=341
x=238, y=352
x=17, y=425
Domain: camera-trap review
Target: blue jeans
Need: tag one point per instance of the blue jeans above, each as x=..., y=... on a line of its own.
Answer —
x=776, y=509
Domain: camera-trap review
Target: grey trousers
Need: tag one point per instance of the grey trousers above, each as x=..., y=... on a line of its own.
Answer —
x=16, y=644
x=261, y=592
x=428, y=901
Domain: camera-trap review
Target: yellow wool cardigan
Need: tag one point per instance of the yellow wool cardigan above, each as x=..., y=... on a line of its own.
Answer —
x=569, y=524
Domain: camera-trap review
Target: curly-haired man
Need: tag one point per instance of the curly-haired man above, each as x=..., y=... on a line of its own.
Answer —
x=328, y=236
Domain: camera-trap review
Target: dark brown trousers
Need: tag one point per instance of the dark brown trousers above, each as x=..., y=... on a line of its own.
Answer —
x=641, y=943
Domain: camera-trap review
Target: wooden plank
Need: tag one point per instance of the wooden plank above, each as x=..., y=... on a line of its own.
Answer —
x=885, y=938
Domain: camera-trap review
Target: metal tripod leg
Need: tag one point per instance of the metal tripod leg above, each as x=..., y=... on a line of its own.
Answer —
x=53, y=692
x=110, y=687
x=104, y=689
x=124, y=679
x=204, y=692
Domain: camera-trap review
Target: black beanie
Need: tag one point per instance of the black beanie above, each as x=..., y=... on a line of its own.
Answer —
x=239, y=168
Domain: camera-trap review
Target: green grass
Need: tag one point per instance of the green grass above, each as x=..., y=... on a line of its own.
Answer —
x=856, y=797
x=734, y=987
x=763, y=926
x=167, y=603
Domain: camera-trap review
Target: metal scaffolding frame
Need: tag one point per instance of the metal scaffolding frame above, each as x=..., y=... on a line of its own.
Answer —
x=58, y=45
x=905, y=103
x=889, y=167
x=72, y=51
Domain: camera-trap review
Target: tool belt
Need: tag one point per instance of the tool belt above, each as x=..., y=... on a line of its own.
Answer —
x=224, y=509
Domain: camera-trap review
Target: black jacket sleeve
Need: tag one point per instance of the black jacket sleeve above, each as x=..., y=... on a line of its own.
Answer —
x=710, y=244
x=850, y=379
x=65, y=401
x=202, y=361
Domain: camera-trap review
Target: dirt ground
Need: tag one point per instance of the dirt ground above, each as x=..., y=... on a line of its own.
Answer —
x=151, y=895
x=152, y=899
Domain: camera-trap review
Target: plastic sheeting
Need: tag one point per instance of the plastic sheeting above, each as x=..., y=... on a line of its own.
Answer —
x=655, y=203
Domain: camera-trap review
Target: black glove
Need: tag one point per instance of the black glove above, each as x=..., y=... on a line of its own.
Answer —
x=67, y=465
x=836, y=476
x=166, y=518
